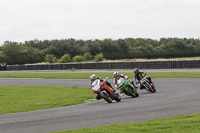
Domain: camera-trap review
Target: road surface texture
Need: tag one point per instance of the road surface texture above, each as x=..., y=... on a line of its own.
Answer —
x=178, y=96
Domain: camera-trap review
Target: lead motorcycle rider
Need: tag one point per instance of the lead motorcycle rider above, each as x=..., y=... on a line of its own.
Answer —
x=93, y=77
x=138, y=76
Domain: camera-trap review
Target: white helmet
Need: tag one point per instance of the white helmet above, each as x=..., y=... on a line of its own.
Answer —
x=93, y=77
x=116, y=74
x=136, y=70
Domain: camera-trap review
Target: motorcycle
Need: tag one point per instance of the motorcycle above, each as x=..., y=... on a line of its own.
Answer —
x=104, y=91
x=126, y=87
x=147, y=85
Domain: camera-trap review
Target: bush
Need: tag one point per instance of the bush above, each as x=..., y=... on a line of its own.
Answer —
x=98, y=57
x=65, y=59
x=87, y=56
x=78, y=58
x=50, y=58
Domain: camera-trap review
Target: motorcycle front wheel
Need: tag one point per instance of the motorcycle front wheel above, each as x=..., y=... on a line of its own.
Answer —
x=117, y=98
x=106, y=97
x=150, y=88
x=129, y=92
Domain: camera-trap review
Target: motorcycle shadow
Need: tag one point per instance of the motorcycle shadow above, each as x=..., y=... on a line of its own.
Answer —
x=113, y=102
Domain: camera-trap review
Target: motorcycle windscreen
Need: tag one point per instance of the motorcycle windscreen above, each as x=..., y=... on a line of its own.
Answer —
x=120, y=81
x=95, y=85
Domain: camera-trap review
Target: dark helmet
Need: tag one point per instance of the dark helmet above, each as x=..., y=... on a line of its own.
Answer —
x=116, y=74
x=136, y=70
x=93, y=77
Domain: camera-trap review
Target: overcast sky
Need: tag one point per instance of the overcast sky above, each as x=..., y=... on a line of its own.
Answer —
x=24, y=20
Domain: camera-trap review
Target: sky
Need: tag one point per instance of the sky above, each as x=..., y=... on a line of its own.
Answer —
x=25, y=20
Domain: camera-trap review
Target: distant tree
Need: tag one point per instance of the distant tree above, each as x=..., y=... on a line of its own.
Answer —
x=98, y=57
x=2, y=56
x=110, y=49
x=78, y=58
x=50, y=58
x=94, y=47
x=87, y=56
x=14, y=53
x=35, y=50
x=65, y=59
x=123, y=48
x=51, y=50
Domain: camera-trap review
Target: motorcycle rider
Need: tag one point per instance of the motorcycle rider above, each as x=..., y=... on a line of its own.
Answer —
x=93, y=77
x=117, y=76
x=138, y=76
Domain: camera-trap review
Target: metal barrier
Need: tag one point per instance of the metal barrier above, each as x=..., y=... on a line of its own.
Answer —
x=109, y=65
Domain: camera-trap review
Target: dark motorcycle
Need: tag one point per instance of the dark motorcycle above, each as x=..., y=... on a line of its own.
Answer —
x=145, y=83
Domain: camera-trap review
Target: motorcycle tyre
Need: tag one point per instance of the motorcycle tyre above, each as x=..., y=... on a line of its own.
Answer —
x=106, y=97
x=136, y=94
x=154, y=90
x=130, y=92
x=117, y=98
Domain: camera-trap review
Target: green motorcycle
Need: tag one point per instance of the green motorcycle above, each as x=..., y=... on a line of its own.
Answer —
x=126, y=87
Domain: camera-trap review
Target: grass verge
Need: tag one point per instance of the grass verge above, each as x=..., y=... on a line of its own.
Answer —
x=15, y=99
x=99, y=74
x=177, y=124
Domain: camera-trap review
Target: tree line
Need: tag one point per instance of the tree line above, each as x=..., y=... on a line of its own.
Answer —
x=71, y=50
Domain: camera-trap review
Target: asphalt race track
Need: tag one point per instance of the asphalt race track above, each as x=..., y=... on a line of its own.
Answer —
x=173, y=97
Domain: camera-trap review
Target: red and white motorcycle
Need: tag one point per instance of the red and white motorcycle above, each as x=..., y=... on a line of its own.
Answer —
x=104, y=91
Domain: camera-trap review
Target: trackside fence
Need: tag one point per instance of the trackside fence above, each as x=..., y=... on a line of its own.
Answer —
x=109, y=65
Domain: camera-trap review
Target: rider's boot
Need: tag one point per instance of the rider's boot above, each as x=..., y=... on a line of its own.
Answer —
x=113, y=89
x=98, y=97
x=133, y=84
x=152, y=84
x=141, y=87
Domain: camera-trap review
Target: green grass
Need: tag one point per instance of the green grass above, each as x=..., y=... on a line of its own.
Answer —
x=25, y=98
x=99, y=74
x=177, y=124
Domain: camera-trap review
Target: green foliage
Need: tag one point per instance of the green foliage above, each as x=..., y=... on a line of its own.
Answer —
x=35, y=51
x=50, y=58
x=2, y=56
x=78, y=58
x=65, y=59
x=87, y=56
x=98, y=57
x=28, y=98
x=14, y=53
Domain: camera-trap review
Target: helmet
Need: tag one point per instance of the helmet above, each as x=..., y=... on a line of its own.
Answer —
x=116, y=74
x=136, y=70
x=93, y=77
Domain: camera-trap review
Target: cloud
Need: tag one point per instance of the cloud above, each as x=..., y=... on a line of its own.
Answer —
x=23, y=20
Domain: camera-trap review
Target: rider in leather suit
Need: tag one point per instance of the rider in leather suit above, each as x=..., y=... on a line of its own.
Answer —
x=138, y=76
x=93, y=77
